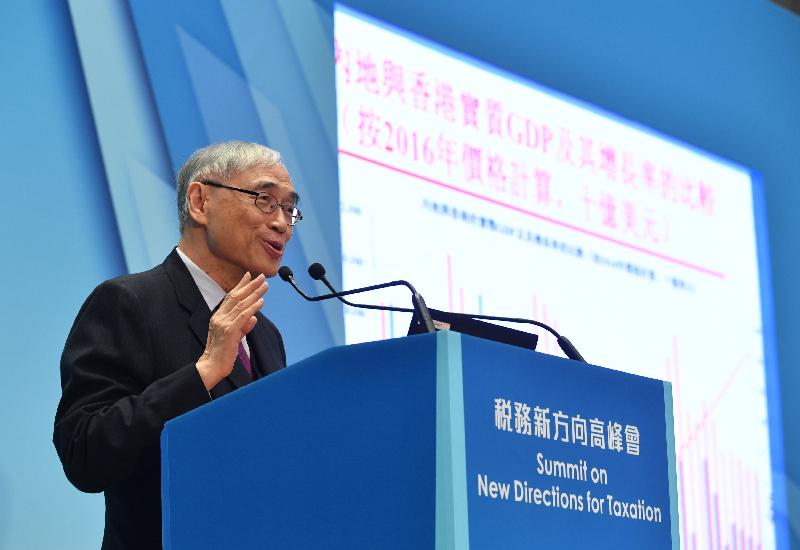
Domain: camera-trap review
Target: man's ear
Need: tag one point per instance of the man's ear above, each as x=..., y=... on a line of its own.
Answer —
x=196, y=199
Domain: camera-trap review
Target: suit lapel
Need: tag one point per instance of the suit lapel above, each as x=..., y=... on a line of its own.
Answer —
x=188, y=295
x=191, y=299
x=259, y=350
x=199, y=322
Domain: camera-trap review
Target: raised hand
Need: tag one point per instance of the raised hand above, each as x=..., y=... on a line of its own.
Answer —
x=234, y=318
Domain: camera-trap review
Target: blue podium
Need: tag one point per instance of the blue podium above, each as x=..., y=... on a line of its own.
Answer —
x=434, y=441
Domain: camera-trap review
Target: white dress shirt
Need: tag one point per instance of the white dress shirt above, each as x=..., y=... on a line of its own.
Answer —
x=211, y=291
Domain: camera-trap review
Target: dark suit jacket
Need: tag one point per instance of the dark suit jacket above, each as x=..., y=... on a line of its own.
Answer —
x=128, y=367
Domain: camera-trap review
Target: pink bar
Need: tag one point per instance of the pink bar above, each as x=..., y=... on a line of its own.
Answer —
x=549, y=344
x=684, y=517
x=542, y=344
x=716, y=483
x=449, y=283
x=757, y=486
x=728, y=495
x=748, y=499
x=742, y=505
x=709, y=507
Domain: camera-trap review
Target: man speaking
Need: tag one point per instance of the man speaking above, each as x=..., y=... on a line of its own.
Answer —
x=148, y=347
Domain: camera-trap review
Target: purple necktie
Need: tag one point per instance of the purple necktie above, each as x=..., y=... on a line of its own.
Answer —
x=245, y=360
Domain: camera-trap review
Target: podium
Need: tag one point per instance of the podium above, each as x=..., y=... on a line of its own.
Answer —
x=438, y=441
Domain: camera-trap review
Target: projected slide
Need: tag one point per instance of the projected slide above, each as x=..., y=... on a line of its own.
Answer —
x=493, y=195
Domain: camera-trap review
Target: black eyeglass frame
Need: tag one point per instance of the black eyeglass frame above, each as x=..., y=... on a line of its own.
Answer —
x=288, y=209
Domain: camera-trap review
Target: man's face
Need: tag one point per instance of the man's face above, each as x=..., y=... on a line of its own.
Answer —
x=240, y=236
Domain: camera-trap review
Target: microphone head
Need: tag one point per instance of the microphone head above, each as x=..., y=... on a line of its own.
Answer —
x=316, y=271
x=285, y=273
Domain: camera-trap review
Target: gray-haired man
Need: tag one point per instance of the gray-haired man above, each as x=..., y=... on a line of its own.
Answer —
x=145, y=348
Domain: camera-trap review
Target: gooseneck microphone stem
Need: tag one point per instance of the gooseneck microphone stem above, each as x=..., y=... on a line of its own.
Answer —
x=317, y=272
x=563, y=342
x=322, y=278
x=285, y=273
x=566, y=346
x=322, y=297
x=419, y=303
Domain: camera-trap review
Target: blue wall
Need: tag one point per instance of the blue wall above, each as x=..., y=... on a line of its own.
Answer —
x=59, y=239
x=722, y=76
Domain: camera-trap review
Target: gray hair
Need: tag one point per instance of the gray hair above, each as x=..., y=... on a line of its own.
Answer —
x=223, y=160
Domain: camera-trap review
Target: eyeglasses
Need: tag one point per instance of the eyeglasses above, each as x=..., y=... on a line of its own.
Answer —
x=264, y=201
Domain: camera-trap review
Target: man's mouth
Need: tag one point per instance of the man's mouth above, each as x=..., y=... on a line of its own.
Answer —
x=273, y=248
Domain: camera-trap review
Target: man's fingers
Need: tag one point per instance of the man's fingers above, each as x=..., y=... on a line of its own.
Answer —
x=246, y=301
x=242, y=290
x=243, y=281
x=249, y=325
x=247, y=289
x=249, y=311
x=237, y=312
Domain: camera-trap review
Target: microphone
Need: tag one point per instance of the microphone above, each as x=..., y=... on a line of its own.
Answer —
x=420, y=308
x=285, y=273
x=317, y=272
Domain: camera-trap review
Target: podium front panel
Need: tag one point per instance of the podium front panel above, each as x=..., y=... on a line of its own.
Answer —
x=337, y=451
x=561, y=454
x=434, y=441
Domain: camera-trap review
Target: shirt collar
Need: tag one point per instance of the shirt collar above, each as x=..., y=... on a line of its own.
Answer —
x=211, y=291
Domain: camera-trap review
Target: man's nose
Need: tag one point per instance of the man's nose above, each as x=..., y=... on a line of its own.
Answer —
x=279, y=221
